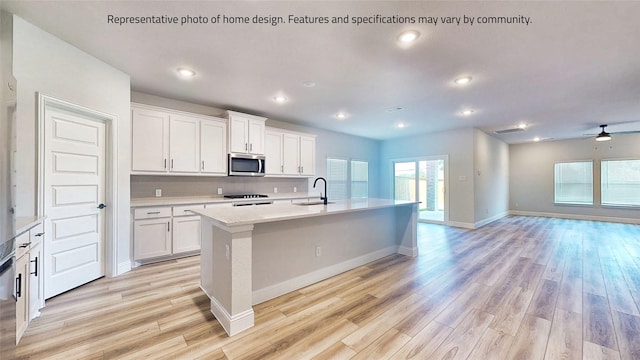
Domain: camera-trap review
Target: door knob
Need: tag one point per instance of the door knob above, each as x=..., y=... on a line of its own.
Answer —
x=102, y=206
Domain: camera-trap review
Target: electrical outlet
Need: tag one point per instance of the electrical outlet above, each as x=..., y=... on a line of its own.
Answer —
x=158, y=192
x=275, y=190
x=318, y=251
x=295, y=189
x=219, y=191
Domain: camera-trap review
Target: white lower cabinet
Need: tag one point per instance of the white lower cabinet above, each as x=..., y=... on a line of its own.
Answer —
x=22, y=301
x=152, y=238
x=186, y=233
x=36, y=288
x=29, y=286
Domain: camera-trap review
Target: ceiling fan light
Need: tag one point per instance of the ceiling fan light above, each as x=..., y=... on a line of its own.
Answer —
x=603, y=136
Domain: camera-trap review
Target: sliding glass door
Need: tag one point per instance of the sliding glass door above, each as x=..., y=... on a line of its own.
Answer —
x=423, y=180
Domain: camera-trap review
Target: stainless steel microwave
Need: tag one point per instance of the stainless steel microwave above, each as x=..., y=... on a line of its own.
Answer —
x=246, y=165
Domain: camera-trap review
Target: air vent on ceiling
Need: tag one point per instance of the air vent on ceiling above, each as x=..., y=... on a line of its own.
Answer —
x=507, y=131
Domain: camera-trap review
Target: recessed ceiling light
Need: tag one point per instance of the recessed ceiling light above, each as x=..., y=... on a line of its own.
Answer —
x=341, y=115
x=467, y=112
x=186, y=72
x=309, y=84
x=522, y=126
x=408, y=36
x=401, y=125
x=280, y=99
x=536, y=139
x=462, y=80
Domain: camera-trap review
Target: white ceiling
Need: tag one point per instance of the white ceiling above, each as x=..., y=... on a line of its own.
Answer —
x=576, y=65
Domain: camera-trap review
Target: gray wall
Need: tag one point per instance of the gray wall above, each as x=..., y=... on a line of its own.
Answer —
x=491, y=183
x=328, y=144
x=47, y=65
x=459, y=146
x=531, y=174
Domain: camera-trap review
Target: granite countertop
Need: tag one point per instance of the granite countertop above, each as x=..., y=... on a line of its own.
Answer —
x=248, y=215
x=204, y=199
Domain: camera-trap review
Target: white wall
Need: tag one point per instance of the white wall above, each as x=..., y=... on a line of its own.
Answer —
x=47, y=65
x=491, y=183
x=531, y=175
x=459, y=145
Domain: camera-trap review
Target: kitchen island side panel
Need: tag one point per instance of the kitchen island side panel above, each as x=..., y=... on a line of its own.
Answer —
x=287, y=250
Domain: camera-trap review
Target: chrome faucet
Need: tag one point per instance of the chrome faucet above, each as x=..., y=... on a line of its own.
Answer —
x=325, y=189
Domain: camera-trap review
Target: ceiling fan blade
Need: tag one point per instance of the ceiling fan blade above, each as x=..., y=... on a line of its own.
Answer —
x=625, y=132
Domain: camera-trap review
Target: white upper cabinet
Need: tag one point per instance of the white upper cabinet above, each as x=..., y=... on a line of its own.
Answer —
x=213, y=147
x=184, y=141
x=246, y=133
x=166, y=141
x=289, y=154
x=273, y=152
x=150, y=135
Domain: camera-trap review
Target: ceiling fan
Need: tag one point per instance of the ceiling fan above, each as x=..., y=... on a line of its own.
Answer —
x=603, y=135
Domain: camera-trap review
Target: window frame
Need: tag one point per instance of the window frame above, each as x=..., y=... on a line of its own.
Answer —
x=602, y=184
x=592, y=179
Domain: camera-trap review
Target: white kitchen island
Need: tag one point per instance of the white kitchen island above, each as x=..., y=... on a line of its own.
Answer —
x=251, y=254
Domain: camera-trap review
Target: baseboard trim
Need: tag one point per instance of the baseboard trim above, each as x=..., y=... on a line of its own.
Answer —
x=486, y=221
x=231, y=324
x=124, y=267
x=576, y=217
x=273, y=291
x=458, y=224
x=407, y=251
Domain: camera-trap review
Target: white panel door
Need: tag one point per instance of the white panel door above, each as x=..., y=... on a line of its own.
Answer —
x=213, y=147
x=150, y=140
x=291, y=154
x=184, y=144
x=273, y=152
x=307, y=155
x=74, y=186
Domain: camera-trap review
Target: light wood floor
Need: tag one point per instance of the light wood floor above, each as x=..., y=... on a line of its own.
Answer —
x=519, y=288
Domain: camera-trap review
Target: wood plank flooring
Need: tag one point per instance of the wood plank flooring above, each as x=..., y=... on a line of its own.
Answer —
x=518, y=288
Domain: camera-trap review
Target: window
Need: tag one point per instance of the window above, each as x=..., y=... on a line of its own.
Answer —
x=573, y=183
x=359, y=179
x=336, y=179
x=620, y=182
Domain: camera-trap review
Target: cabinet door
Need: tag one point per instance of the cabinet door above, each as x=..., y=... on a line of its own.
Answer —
x=291, y=154
x=213, y=147
x=238, y=134
x=256, y=136
x=151, y=238
x=184, y=144
x=273, y=152
x=307, y=155
x=150, y=140
x=22, y=299
x=186, y=234
x=36, y=299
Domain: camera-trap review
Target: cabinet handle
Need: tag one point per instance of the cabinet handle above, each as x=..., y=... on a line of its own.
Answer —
x=25, y=245
x=153, y=212
x=301, y=169
x=19, y=286
x=246, y=146
x=281, y=168
x=171, y=164
x=165, y=163
x=250, y=147
x=168, y=226
x=202, y=164
x=36, y=264
x=39, y=234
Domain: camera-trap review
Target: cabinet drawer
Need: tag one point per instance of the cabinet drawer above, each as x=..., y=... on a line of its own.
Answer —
x=23, y=244
x=185, y=210
x=215, y=205
x=36, y=234
x=151, y=212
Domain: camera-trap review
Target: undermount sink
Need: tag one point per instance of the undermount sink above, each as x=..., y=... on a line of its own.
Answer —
x=312, y=203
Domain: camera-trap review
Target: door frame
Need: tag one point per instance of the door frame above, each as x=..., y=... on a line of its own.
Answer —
x=417, y=159
x=46, y=102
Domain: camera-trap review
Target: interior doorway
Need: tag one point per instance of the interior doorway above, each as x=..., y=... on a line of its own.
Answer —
x=423, y=180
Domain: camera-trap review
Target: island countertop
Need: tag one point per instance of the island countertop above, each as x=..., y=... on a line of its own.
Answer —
x=248, y=215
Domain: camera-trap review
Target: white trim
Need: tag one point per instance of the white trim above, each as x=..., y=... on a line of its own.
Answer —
x=124, y=267
x=486, y=221
x=112, y=268
x=407, y=251
x=231, y=324
x=459, y=224
x=576, y=217
x=273, y=291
